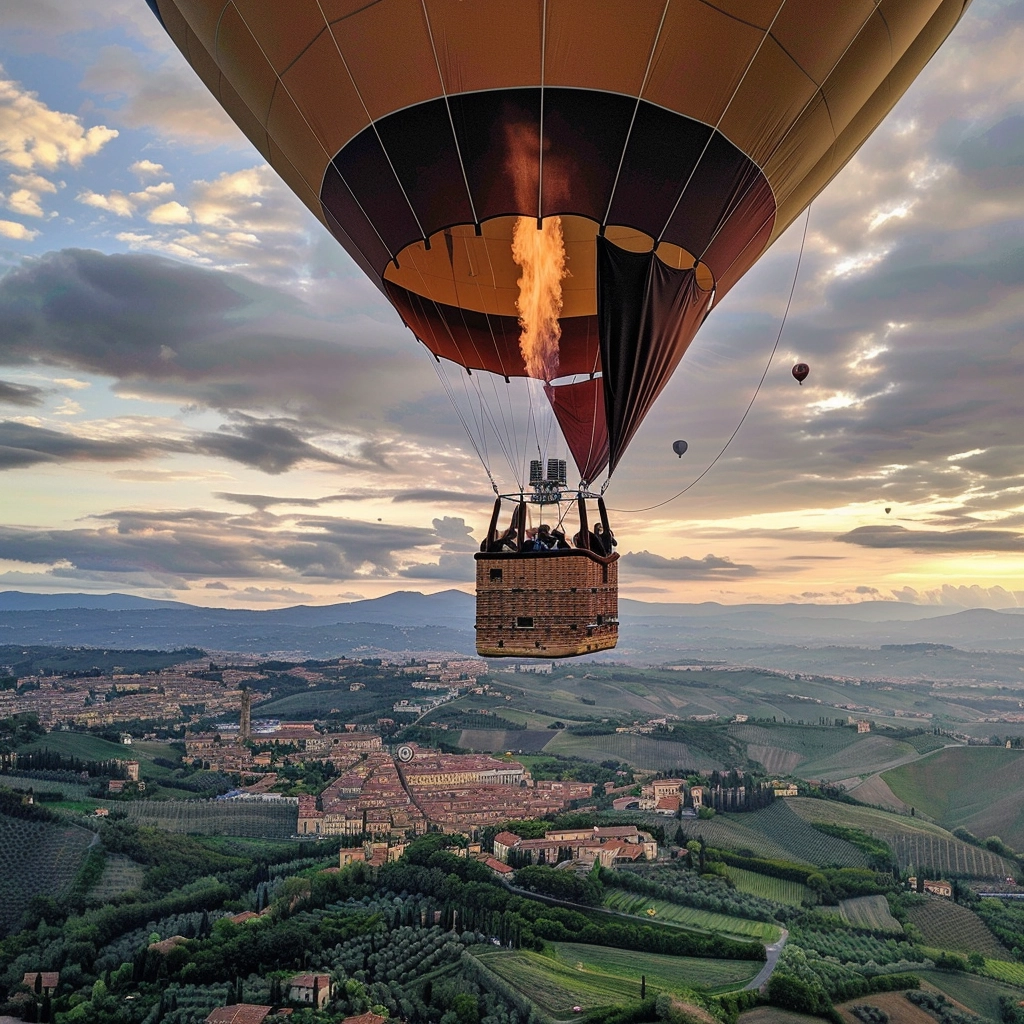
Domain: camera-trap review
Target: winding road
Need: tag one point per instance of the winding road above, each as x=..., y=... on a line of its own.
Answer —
x=772, y=958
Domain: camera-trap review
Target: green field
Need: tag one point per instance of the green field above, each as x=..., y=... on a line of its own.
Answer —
x=947, y=926
x=36, y=858
x=595, y=976
x=690, y=917
x=732, y=832
x=640, y=751
x=778, y=889
x=980, y=994
x=1004, y=970
x=83, y=745
x=257, y=819
x=785, y=829
x=870, y=912
x=120, y=875
x=979, y=788
x=912, y=840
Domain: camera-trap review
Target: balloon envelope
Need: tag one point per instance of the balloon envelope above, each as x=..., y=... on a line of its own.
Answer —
x=679, y=447
x=674, y=141
x=800, y=372
x=888, y=510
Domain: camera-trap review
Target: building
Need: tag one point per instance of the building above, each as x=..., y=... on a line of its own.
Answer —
x=934, y=886
x=620, y=844
x=863, y=727
x=239, y=1013
x=43, y=983
x=311, y=989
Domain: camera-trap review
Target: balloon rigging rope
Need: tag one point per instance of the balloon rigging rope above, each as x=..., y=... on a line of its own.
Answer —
x=750, y=404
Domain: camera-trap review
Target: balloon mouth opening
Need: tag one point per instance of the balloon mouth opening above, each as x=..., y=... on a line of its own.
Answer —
x=472, y=266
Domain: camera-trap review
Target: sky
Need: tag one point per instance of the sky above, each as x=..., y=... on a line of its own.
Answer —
x=203, y=399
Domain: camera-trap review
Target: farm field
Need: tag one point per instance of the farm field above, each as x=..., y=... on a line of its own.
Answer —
x=641, y=751
x=556, y=984
x=871, y=752
x=1005, y=970
x=690, y=917
x=519, y=741
x=980, y=788
x=779, y=889
x=786, y=829
x=773, y=1015
x=663, y=972
x=912, y=840
x=809, y=741
x=896, y=1005
x=36, y=858
x=730, y=832
x=874, y=790
x=870, y=912
x=120, y=875
x=947, y=926
x=83, y=745
x=254, y=818
x=71, y=790
x=979, y=994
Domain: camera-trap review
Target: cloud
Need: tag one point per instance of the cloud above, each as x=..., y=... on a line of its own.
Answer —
x=954, y=596
x=166, y=330
x=20, y=233
x=146, y=169
x=271, y=447
x=195, y=544
x=710, y=567
x=33, y=136
x=20, y=394
x=275, y=594
x=25, y=445
x=163, y=96
x=886, y=536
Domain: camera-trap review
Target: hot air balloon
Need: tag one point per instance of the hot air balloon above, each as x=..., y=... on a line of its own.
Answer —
x=679, y=447
x=800, y=372
x=888, y=510
x=559, y=190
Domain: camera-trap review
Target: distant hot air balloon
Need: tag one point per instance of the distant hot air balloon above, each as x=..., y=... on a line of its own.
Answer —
x=800, y=371
x=679, y=447
x=888, y=510
x=558, y=189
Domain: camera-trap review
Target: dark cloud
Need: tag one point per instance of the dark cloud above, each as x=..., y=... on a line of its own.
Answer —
x=170, y=330
x=456, y=559
x=710, y=567
x=196, y=543
x=20, y=394
x=934, y=540
x=25, y=445
x=268, y=446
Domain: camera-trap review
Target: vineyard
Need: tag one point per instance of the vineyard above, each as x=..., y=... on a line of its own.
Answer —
x=690, y=917
x=947, y=926
x=913, y=841
x=1004, y=970
x=732, y=833
x=36, y=858
x=871, y=913
x=260, y=819
x=778, y=889
x=120, y=875
x=780, y=824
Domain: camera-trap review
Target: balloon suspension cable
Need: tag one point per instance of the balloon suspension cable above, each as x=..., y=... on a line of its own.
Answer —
x=458, y=412
x=750, y=404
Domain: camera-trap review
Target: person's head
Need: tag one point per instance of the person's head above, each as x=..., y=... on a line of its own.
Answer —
x=599, y=529
x=544, y=530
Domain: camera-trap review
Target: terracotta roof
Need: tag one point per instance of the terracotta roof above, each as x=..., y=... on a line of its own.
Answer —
x=240, y=1013
x=496, y=865
x=506, y=838
x=164, y=946
x=309, y=980
x=50, y=979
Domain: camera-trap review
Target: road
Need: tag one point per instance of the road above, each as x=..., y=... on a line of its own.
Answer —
x=772, y=953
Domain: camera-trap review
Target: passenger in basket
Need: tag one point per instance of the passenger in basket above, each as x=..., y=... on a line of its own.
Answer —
x=560, y=543
x=604, y=541
x=508, y=541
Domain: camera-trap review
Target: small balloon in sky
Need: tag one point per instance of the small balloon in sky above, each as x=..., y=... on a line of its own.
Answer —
x=800, y=371
x=888, y=510
x=679, y=447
